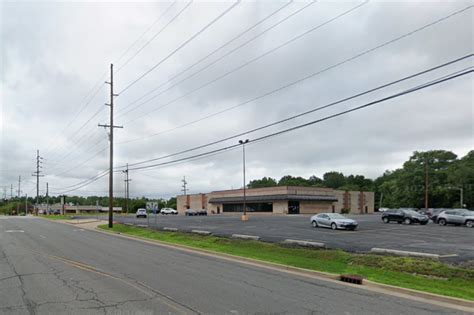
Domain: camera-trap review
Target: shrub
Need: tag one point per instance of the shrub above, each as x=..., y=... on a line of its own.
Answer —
x=345, y=210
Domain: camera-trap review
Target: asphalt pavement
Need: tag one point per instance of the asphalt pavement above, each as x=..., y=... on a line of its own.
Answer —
x=48, y=267
x=453, y=243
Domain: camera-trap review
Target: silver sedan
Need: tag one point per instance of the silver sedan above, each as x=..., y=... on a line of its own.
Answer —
x=334, y=221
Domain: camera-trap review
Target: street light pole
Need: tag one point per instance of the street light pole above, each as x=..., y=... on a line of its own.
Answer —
x=244, y=216
x=461, y=199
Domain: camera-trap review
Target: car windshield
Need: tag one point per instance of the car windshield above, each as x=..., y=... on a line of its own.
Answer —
x=412, y=212
x=336, y=216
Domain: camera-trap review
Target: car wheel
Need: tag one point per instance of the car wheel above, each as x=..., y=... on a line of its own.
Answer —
x=334, y=226
x=407, y=221
x=314, y=224
x=442, y=222
x=386, y=220
x=469, y=223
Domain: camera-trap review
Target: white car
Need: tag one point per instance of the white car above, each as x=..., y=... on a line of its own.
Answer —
x=383, y=209
x=168, y=211
x=141, y=213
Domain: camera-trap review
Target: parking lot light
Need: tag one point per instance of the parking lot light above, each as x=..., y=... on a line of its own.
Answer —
x=244, y=217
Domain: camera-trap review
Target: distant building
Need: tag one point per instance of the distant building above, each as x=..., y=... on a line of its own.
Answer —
x=78, y=209
x=280, y=200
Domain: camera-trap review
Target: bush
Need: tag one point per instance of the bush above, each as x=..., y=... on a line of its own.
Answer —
x=345, y=210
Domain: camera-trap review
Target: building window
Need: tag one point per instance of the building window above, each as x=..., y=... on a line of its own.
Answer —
x=251, y=207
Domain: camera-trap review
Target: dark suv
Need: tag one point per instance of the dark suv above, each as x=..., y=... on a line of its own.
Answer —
x=404, y=216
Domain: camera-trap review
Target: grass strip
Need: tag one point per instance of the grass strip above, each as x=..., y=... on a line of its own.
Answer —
x=406, y=272
x=57, y=217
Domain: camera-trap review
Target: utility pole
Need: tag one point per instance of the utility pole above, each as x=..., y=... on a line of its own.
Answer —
x=19, y=192
x=37, y=174
x=47, y=198
x=127, y=191
x=111, y=143
x=19, y=186
x=426, y=183
x=184, y=190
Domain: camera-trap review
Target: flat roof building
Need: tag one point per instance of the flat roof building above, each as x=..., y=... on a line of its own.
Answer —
x=279, y=200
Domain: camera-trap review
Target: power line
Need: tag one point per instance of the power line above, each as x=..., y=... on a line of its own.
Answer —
x=100, y=85
x=154, y=36
x=295, y=82
x=393, y=96
x=140, y=37
x=216, y=50
x=181, y=46
x=311, y=110
x=76, y=167
x=96, y=89
x=245, y=64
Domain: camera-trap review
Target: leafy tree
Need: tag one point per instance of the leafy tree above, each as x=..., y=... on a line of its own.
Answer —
x=315, y=181
x=264, y=182
x=171, y=203
x=334, y=180
x=289, y=180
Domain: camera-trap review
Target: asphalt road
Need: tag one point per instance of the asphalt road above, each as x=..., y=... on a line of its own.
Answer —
x=48, y=267
x=454, y=242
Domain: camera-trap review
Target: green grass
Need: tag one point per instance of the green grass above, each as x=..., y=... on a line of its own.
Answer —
x=57, y=217
x=413, y=273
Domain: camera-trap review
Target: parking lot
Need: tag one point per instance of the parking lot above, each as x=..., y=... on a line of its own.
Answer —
x=453, y=243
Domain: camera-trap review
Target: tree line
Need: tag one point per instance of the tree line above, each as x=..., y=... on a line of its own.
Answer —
x=6, y=206
x=446, y=174
x=403, y=187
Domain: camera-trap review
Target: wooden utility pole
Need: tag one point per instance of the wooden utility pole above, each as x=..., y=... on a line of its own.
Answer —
x=111, y=144
x=19, y=192
x=426, y=183
x=47, y=199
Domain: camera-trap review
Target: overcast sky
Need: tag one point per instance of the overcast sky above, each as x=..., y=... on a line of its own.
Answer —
x=55, y=57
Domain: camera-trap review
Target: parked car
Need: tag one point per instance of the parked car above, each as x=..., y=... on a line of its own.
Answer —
x=57, y=212
x=334, y=221
x=168, y=211
x=457, y=217
x=202, y=212
x=433, y=213
x=190, y=212
x=141, y=213
x=406, y=216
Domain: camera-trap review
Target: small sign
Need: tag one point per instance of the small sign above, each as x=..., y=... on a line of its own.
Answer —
x=153, y=206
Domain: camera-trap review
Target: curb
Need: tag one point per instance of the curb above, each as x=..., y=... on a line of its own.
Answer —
x=170, y=229
x=303, y=243
x=246, y=237
x=404, y=253
x=201, y=232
